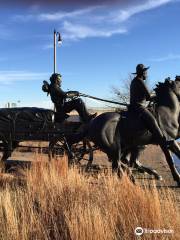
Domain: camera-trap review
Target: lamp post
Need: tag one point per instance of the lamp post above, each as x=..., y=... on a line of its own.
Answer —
x=57, y=38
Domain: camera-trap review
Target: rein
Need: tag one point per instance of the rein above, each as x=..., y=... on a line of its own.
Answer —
x=103, y=100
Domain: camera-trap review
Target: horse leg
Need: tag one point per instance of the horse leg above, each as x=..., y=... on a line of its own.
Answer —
x=124, y=157
x=133, y=160
x=120, y=168
x=91, y=155
x=116, y=166
x=135, y=153
x=128, y=171
x=175, y=148
x=170, y=161
x=114, y=160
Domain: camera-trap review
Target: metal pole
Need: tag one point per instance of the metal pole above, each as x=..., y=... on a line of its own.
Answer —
x=54, y=51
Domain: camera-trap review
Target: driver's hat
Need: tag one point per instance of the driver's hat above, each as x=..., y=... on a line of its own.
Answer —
x=55, y=76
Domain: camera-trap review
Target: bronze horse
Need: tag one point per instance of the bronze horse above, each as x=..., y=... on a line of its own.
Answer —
x=119, y=133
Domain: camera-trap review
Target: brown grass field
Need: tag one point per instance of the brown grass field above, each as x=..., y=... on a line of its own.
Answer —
x=50, y=201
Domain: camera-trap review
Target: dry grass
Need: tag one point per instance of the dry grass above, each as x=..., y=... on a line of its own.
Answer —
x=59, y=204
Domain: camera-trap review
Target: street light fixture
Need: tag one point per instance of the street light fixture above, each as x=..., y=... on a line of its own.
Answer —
x=57, y=38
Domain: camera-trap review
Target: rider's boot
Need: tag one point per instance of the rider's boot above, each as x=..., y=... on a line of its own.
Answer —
x=83, y=112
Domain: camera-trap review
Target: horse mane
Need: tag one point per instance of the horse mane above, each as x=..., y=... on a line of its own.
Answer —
x=161, y=86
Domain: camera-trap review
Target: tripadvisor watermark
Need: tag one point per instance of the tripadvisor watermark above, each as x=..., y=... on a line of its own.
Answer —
x=140, y=231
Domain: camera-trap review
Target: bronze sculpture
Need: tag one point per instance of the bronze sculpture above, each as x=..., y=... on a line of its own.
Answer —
x=118, y=133
x=59, y=98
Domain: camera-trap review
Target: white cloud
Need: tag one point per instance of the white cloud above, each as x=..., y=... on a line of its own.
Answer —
x=7, y=77
x=116, y=15
x=77, y=31
x=105, y=21
x=125, y=14
x=64, y=15
x=95, y=21
x=54, y=16
x=166, y=58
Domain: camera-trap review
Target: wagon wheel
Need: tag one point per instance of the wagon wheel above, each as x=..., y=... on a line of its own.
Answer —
x=78, y=152
x=83, y=153
x=58, y=148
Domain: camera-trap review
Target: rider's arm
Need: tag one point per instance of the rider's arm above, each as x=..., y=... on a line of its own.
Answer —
x=145, y=90
x=72, y=94
x=62, y=94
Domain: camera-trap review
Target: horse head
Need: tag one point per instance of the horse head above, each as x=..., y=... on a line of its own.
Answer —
x=162, y=89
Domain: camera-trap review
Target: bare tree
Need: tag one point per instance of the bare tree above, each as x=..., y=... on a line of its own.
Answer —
x=122, y=94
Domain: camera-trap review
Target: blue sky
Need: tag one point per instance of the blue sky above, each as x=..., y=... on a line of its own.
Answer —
x=103, y=41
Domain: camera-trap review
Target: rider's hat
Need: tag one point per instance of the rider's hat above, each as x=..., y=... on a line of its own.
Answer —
x=140, y=68
x=55, y=76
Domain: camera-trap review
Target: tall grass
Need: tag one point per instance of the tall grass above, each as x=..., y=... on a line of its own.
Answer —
x=55, y=203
